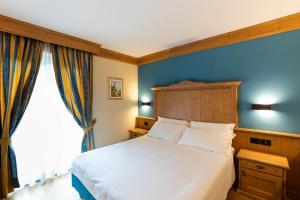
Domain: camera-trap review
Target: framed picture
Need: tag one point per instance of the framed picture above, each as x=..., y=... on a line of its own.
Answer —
x=115, y=88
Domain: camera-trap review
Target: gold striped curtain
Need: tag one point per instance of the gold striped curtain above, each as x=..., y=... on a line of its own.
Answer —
x=74, y=77
x=19, y=65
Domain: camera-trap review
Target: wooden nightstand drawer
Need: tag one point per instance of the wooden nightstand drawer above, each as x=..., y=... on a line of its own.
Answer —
x=261, y=167
x=260, y=184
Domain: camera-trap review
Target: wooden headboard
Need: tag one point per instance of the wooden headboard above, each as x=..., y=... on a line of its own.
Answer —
x=217, y=102
x=198, y=101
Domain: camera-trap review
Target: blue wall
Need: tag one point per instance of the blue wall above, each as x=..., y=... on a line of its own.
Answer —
x=269, y=69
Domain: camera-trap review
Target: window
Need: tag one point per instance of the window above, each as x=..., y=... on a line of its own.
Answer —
x=47, y=138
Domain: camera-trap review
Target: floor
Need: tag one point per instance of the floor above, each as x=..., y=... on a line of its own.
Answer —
x=232, y=195
x=56, y=189
x=60, y=189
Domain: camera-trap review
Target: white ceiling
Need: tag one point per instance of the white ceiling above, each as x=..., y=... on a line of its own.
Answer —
x=140, y=27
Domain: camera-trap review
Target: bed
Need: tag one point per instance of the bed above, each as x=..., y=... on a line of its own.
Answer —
x=148, y=168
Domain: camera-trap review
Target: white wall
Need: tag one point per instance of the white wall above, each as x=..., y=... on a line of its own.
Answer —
x=114, y=117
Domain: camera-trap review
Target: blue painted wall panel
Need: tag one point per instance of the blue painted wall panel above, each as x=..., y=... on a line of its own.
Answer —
x=269, y=69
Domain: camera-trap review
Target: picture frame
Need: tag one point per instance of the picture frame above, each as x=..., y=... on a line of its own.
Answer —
x=115, y=88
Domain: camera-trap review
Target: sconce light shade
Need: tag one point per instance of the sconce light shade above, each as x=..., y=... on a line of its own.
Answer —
x=261, y=107
x=146, y=103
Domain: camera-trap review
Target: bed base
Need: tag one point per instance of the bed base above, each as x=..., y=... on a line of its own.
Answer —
x=81, y=189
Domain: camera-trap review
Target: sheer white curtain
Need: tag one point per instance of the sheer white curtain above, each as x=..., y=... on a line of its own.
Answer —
x=48, y=138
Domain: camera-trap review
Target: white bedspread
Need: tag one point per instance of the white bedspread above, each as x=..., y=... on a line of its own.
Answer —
x=146, y=168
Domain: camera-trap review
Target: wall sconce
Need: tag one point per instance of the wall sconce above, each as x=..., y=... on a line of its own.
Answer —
x=146, y=103
x=261, y=107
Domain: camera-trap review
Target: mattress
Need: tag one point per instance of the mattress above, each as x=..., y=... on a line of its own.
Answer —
x=146, y=168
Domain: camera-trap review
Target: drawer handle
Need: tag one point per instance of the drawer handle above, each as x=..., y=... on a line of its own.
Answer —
x=259, y=167
x=244, y=174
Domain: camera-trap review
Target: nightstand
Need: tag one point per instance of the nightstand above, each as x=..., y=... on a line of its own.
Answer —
x=144, y=122
x=262, y=175
x=142, y=126
x=137, y=132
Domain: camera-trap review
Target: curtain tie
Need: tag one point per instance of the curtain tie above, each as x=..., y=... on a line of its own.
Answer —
x=90, y=126
x=5, y=142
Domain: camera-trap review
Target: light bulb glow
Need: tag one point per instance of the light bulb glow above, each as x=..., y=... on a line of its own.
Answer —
x=266, y=100
x=145, y=99
x=265, y=113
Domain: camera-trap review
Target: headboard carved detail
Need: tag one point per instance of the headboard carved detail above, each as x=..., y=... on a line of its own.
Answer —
x=199, y=101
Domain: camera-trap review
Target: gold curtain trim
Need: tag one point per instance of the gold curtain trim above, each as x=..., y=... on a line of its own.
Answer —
x=5, y=142
x=89, y=127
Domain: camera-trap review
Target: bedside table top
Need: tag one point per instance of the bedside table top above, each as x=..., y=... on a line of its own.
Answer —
x=139, y=130
x=275, y=160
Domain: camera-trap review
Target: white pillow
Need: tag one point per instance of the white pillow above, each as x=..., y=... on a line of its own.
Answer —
x=177, y=121
x=171, y=132
x=209, y=139
x=228, y=128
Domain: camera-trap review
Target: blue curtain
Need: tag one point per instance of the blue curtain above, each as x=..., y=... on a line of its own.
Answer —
x=74, y=77
x=19, y=65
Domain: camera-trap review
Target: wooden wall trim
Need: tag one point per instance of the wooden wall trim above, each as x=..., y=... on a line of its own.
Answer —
x=21, y=28
x=17, y=27
x=106, y=53
x=272, y=133
x=276, y=26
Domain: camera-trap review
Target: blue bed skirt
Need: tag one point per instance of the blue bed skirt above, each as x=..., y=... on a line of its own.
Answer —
x=83, y=192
